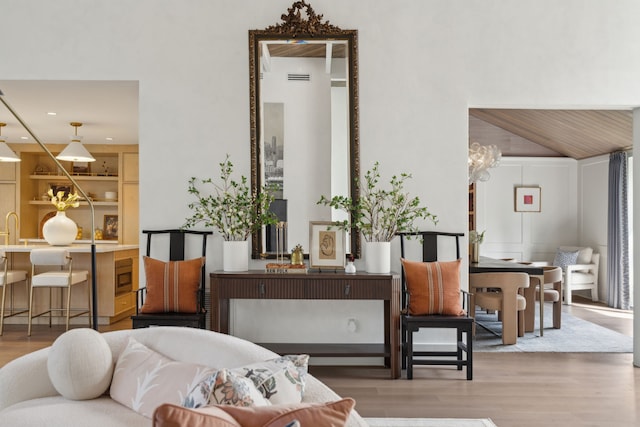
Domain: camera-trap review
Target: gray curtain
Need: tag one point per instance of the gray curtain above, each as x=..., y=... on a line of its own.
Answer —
x=618, y=240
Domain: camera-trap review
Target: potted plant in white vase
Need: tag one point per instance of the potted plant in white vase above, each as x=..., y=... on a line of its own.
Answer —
x=233, y=210
x=61, y=230
x=379, y=214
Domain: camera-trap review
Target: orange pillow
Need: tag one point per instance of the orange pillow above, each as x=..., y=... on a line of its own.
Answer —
x=434, y=287
x=328, y=414
x=172, y=286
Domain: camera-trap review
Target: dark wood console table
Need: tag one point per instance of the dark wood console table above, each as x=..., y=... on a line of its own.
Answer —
x=226, y=286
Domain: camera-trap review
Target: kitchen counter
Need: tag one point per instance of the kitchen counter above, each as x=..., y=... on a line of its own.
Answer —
x=114, y=302
x=80, y=247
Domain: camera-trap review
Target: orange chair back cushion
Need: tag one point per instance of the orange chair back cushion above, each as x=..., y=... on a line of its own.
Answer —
x=434, y=287
x=172, y=286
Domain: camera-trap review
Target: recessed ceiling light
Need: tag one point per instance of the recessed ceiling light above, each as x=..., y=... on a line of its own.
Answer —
x=52, y=113
x=24, y=137
x=109, y=138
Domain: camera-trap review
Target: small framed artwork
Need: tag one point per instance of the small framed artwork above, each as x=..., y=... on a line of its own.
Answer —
x=327, y=248
x=110, y=229
x=527, y=199
x=65, y=188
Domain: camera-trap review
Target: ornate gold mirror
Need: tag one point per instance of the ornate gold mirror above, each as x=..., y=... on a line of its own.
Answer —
x=304, y=124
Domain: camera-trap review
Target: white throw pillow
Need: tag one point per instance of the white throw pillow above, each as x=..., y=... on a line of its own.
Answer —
x=144, y=379
x=80, y=364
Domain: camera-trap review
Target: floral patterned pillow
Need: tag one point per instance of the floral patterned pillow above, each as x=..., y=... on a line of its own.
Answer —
x=279, y=380
x=224, y=387
x=144, y=379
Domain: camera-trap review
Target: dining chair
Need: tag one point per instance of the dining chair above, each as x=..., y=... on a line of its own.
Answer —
x=175, y=288
x=499, y=292
x=52, y=268
x=9, y=278
x=544, y=288
x=432, y=299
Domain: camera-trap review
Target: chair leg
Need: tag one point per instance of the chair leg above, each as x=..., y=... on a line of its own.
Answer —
x=459, y=347
x=469, y=356
x=520, y=323
x=541, y=309
x=4, y=291
x=594, y=294
x=557, y=314
x=30, y=310
x=409, y=354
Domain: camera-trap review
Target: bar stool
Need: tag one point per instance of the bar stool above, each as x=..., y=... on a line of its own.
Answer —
x=53, y=268
x=8, y=278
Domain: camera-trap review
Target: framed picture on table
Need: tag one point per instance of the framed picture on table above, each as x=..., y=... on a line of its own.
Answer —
x=527, y=199
x=327, y=247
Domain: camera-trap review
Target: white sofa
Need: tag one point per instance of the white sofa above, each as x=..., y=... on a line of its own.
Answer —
x=29, y=398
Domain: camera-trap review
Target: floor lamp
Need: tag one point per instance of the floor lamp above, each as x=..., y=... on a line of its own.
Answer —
x=94, y=287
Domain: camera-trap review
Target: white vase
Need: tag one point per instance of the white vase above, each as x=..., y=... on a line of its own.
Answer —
x=377, y=257
x=350, y=268
x=235, y=255
x=60, y=230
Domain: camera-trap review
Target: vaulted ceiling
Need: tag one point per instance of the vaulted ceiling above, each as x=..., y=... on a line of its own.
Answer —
x=578, y=134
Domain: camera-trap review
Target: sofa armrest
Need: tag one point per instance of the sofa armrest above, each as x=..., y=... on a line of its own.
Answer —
x=25, y=378
x=580, y=267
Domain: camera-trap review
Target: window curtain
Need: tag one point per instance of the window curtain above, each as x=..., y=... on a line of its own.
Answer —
x=618, y=233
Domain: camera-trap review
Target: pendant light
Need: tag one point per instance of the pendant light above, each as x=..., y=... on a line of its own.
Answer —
x=75, y=151
x=6, y=153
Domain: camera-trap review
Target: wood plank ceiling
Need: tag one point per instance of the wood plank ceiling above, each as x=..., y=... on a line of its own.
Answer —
x=579, y=134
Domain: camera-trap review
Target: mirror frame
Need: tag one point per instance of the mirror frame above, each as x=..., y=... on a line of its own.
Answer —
x=294, y=26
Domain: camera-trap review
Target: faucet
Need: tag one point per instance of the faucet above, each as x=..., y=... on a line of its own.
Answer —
x=6, y=233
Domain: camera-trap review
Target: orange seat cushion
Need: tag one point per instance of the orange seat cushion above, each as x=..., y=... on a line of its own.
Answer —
x=172, y=286
x=307, y=414
x=434, y=287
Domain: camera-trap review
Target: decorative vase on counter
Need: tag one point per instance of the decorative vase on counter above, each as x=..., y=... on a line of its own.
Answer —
x=235, y=255
x=60, y=230
x=377, y=257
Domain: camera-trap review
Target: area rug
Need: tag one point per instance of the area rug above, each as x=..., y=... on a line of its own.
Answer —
x=575, y=336
x=429, y=422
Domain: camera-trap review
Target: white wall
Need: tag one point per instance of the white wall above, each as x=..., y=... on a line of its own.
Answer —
x=422, y=65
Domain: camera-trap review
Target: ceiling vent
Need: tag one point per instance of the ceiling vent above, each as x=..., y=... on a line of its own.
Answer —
x=294, y=77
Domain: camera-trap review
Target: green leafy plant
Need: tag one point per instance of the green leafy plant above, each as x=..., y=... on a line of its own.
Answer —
x=230, y=206
x=475, y=237
x=379, y=214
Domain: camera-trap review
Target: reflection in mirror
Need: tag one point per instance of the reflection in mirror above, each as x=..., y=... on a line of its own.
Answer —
x=304, y=125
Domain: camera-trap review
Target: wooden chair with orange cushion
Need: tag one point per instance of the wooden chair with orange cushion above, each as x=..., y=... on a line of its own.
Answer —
x=432, y=298
x=175, y=288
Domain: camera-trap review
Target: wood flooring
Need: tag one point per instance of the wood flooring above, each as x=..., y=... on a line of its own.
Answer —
x=513, y=389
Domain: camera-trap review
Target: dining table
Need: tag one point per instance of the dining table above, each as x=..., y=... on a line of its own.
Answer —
x=494, y=265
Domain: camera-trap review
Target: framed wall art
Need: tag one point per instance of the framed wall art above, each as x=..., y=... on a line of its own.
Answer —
x=527, y=199
x=327, y=247
x=110, y=229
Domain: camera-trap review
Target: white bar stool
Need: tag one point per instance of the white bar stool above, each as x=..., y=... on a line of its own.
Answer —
x=8, y=278
x=53, y=268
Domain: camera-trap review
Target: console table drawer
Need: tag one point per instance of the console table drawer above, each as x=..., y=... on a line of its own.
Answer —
x=258, y=288
x=348, y=289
